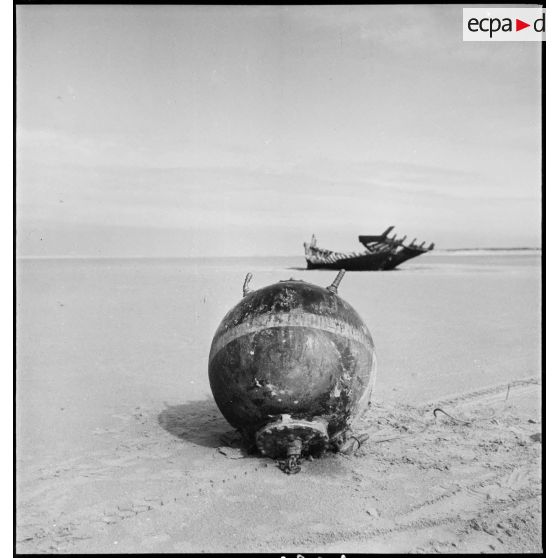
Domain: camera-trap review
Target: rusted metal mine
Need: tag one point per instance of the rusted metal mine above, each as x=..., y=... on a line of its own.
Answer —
x=291, y=366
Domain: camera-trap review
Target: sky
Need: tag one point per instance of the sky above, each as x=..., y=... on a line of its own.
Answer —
x=242, y=130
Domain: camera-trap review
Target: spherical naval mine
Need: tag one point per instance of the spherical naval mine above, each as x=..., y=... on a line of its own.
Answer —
x=291, y=366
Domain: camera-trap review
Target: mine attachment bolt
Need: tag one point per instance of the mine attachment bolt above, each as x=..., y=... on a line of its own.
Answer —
x=333, y=287
x=245, y=288
x=291, y=465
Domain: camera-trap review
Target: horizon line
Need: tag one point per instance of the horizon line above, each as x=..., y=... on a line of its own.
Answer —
x=179, y=257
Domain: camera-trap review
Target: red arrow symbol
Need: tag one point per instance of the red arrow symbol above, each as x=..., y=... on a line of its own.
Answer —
x=519, y=25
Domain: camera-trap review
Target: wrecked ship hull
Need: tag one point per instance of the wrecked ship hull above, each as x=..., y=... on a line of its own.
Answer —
x=364, y=262
x=382, y=253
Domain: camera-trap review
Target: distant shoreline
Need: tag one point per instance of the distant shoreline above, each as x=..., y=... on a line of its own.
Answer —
x=442, y=251
x=489, y=249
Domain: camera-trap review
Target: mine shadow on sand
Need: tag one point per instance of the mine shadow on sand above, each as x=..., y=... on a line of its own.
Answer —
x=197, y=422
x=201, y=423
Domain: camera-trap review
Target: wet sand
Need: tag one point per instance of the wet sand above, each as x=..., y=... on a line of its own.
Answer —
x=121, y=448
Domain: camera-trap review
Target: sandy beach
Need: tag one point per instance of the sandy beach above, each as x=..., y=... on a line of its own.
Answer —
x=120, y=447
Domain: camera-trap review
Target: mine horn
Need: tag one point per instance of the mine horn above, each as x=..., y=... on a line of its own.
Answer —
x=333, y=287
x=246, y=287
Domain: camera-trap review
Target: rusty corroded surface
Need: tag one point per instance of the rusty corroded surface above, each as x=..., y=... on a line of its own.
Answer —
x=295, y=349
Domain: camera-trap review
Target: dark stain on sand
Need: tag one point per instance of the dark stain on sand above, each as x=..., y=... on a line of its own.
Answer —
x=197, y=422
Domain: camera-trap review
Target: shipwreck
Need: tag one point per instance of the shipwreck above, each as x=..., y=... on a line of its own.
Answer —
x=382, y=253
